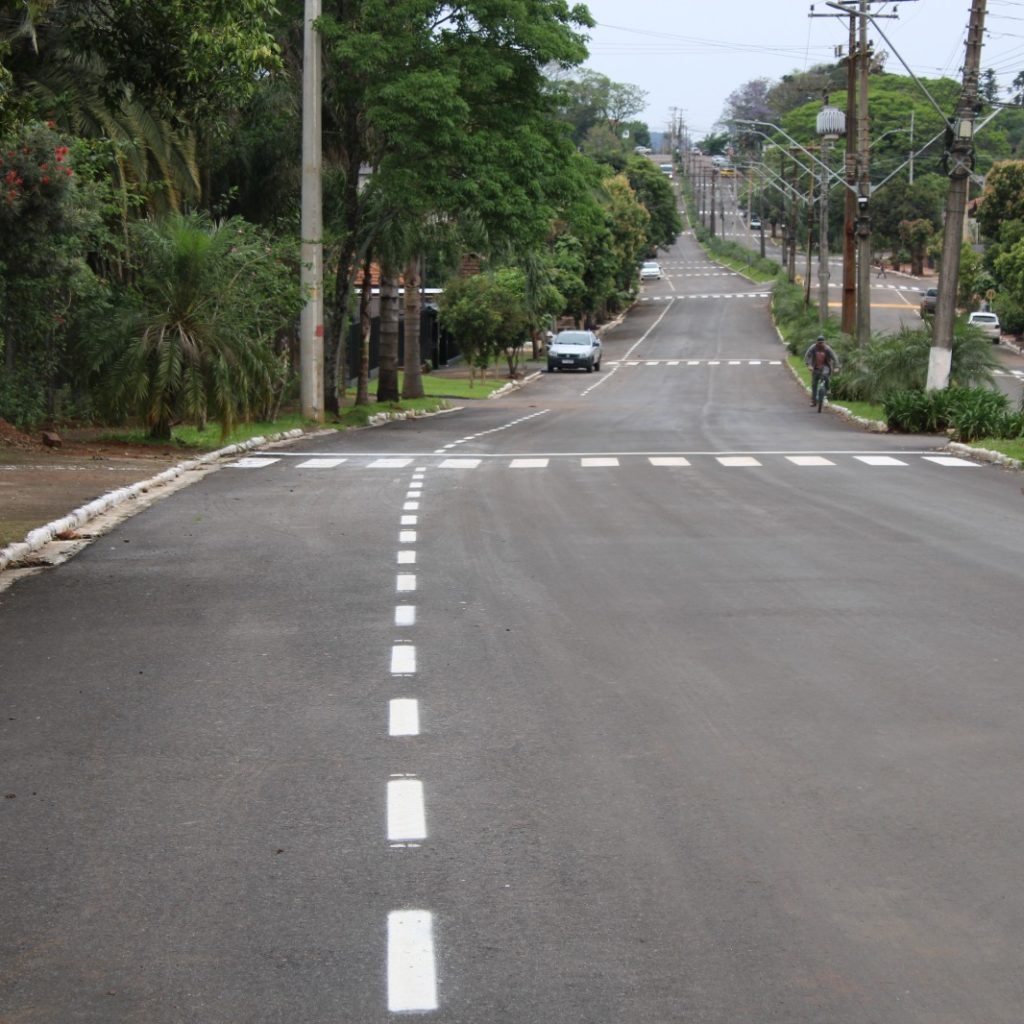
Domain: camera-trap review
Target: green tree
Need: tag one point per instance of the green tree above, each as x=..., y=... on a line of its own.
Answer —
x=1003, y=198
x=195, y=339
x=488, y=315
x=655, y=193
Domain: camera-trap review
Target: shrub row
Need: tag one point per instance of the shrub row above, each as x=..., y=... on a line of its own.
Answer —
x=969, y=413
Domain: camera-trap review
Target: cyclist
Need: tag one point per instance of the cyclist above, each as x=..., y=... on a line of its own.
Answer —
x=821, y=361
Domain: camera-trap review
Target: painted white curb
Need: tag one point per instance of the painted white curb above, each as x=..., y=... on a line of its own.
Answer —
x=35, y=539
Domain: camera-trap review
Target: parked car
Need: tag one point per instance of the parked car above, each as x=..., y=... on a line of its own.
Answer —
x=575, y=350
x=987, y=323
x=928, y=300
x=755, y=223
x=650, y=271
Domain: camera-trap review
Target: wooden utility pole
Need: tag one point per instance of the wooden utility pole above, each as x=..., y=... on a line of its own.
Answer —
x=714, y=175
x=863, y=187
x=959, y=161
x=849, y=317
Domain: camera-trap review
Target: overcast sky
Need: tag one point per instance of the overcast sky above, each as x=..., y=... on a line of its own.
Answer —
x=691, y=54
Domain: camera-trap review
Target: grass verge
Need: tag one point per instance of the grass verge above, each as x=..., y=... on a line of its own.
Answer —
x=865, y=410
x=1013, y=449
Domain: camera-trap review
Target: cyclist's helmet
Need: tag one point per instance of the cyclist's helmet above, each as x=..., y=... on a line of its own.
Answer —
x=821, y=337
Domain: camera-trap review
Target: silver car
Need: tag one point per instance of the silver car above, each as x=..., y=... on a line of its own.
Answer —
x=987, y=323
x=575, y=350
x=650, y=270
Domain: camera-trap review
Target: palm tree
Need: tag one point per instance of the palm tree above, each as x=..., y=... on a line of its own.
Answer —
x=195, y=343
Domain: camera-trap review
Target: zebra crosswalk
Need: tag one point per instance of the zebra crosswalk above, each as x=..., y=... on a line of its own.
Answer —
x=668, y=460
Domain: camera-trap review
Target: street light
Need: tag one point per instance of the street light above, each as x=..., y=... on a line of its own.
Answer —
x=830, y=124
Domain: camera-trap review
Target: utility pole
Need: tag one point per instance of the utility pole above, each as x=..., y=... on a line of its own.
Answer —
x=959, y=160
x=863, y=187
x=714, y=175
x=850, y=208
x=311, y=322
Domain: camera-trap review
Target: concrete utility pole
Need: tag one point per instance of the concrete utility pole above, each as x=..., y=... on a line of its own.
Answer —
x=311, y=324
x=714, y=175
x=960, y=159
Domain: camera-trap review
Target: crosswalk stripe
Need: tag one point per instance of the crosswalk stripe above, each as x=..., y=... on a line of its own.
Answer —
x=737, y=460
x=879, y=460
x=810, y=460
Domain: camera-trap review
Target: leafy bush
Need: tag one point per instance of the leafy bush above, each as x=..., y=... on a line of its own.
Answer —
x=969, y=412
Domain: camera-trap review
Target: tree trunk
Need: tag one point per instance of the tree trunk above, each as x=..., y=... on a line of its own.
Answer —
x=412, y=385
x=387, y=379
x=365, y=330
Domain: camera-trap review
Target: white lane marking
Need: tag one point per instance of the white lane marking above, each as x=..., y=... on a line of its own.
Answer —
x=411, y=506
x=409, y=520
x=407, y=557
x=714, y=362
x=950, y=460
x=879, y=460
x=252, y=463
x=753, y=362
x=405, y=615
x=403, y=717
x=673, y=362
x=737, y=460
x=735, y=362
x=529, y=463
x=669, y=460
x=407, y=816
x=412, y=975
x=809, y=460
x=406, y=536
x=320, y=463
x=416, y=485
x=460, y=464
x=693, y=362
x=389, y=463
x=595, y=463
x=403, y=660
x=651, y=362
x=405, y=582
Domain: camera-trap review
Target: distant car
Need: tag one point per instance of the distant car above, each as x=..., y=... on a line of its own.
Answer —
x=987, y=323
x=650, y=271
x=755, y=223
x=727, y=172
x=642, y=150
x=575, y=350
x=665, y=169
x=929, y=299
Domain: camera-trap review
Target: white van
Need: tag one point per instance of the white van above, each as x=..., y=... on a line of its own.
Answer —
x=666, y=169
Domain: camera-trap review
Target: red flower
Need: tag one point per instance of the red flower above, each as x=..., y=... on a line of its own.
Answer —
x=44, y=180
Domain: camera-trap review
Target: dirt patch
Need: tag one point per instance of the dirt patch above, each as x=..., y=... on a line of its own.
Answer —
x=40, y=483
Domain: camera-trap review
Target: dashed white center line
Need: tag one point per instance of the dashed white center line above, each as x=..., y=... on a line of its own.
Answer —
x=407, y=816
x=405, y=615
x=411, y=506
x=407, y=557
x=403, y=717
x=405, y=582
x=409, y=520
x=403, y=660
x=407, y=537
x=412, y=975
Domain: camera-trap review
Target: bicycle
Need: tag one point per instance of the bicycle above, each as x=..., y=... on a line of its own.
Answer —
x=821, y=392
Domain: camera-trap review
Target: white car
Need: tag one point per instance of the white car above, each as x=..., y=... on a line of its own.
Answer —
x=650, y=271
x=987, y=323
x=574, y=350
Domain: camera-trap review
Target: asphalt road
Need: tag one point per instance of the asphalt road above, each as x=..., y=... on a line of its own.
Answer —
x=641, y=695
x=895, y=296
